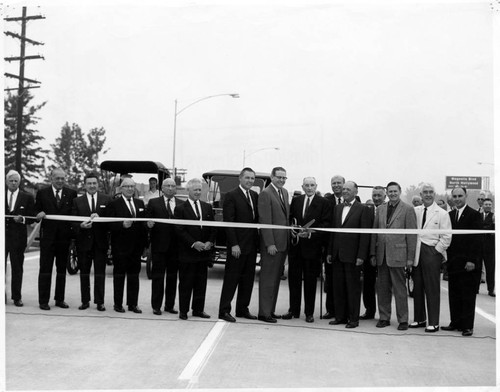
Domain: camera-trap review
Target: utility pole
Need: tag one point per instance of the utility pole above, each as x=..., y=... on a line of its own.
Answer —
x=21, y=88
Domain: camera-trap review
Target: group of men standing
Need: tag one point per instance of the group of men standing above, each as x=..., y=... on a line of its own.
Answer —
x=383, y=257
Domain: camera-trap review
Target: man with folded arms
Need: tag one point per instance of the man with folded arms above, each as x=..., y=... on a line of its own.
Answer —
x=240, y=205
x=430, y=253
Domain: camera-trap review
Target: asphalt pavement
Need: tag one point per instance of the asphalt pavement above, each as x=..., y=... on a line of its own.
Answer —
x=71, y=349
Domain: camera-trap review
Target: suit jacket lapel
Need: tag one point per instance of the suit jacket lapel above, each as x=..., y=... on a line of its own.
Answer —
x=277, y=196
x=351, y=211
x=396, y=213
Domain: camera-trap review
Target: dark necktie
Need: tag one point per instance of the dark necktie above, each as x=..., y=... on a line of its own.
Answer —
x=281, y=199
x=308, y=201
x=196, y=209
x=250, y=202
x=424, y=217
x=456, y=216
x=132, y=209
x=92, y=209
x=169, y=210
x=11, y=207
x=58, y=198
x=339, y=200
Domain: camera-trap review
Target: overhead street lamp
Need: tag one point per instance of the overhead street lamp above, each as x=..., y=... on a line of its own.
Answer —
x=177, y=112
x=245, y=155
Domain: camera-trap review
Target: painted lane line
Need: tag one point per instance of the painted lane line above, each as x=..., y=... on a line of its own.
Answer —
x=480, y=311
x=202, y=355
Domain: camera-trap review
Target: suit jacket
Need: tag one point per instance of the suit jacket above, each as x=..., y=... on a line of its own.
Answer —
x=16, y=234
x=465, y=247
x=320, y=211
x=132, y=240
x=436, y=218
x=97, y=235
x=188, y=235
x=236, y=208
x=52, y=230
x=398, y=248
x=271, y=211
x=348, y=247
x=162, y=235
x=489, y=239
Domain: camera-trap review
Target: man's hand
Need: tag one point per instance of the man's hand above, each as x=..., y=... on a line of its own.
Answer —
x=127, y=224
x=272, y=250
x=470, y=266
x=208, y=245
x=304, y=233
x=409, y=263
x=329, y=259
x=40, y=216
x=18, y=219
x=359, y=262
x=373, y=261
x=199, y=246
x=86, y=225
x=150, y=224
x=236, y=251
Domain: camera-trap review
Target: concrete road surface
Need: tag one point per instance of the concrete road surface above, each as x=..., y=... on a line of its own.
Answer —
x=74, y=349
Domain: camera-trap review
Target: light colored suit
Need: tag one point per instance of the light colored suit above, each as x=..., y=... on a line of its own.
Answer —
x=393, y=251
x=272, y=211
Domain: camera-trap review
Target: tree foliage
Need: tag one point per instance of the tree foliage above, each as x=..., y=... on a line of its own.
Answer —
x=32, y=154
x=78, y=153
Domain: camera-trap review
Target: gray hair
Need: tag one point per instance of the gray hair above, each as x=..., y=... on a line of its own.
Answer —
x=12, y=173
x=192, y=182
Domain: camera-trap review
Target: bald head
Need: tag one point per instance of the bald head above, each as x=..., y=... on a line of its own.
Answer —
x=58, y=178
x=169, y=187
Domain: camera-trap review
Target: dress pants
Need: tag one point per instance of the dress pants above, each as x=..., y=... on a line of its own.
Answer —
x=392, y=280
x=369, y=281
x=462, y=286
x=426, y=289
x=269, y=281
x=85, y=259
x=16, y=267
x=58, y=250
x=192, y=280
x=329, y=302
x=347, y=290
x=126, y=265
x=238, y=273
x=163, y=263
x=489, y=266
x=301, y=268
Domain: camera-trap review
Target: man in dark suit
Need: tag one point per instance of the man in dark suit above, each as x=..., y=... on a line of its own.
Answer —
x=489, y=245
x=128, y=240
x=274, y=209
x=337, y=183
x=165, y=260
x=91, y=241
x=240, y=205
x=392, y=253
x=20, y=204
x=464, y=264
x=55, y=237
x=195, y=246
x=304, y=256
x=347, y=253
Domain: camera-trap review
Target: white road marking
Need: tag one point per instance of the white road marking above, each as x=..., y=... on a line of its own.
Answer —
x=481, y=312
x=193, y=369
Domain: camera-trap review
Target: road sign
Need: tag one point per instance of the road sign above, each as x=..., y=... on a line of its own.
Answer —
x=463, y=181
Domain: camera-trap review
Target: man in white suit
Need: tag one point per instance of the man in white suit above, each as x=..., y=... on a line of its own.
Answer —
x=430, y=253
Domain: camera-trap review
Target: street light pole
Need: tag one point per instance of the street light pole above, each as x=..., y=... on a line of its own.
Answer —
x=245, y=155
x=177, y=112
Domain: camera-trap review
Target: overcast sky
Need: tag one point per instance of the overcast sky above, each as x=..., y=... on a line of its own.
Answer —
x=376, y=92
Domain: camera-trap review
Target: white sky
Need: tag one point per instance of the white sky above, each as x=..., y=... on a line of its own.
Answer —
x=375, y=91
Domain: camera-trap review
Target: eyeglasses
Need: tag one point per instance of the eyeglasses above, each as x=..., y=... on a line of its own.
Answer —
x=281, y=178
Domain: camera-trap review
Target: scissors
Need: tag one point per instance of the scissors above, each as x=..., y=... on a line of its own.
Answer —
x=299, y=229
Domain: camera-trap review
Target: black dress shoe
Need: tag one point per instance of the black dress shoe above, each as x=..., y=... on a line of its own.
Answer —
x=267, y=319
x=289, y=316
x=327, y=316
x=247, y=315
x=134, y=309
x=157, y=312
x=490, y=293
x=171, y=310
x=352, y=324
x=18, y=303
x=44, y=306
x=450, y=327
x=183, y=316
x=367, y=316
x=383, y=323
x=418, y=324
x=227, y=317
x=402, y=326
x=201, y=314
x=119, y=309
x=101, y=308
x=467, y=332
x=275, y=316
x=84, y=306
x=337, y=322
x=432, y=328
x=309, y=319
x=62, y=304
